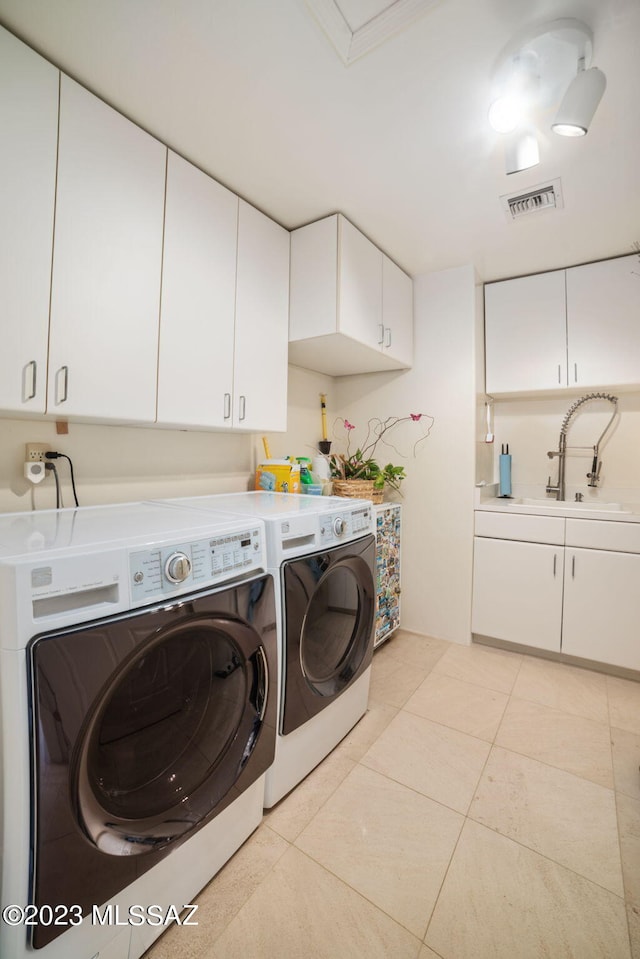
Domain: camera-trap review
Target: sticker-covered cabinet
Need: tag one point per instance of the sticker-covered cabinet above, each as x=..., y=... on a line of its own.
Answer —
x=388, y=533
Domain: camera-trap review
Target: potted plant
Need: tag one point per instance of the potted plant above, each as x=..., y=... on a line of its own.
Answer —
x=358, y=473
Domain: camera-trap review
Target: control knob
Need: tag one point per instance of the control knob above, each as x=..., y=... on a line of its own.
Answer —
x=338, y=526
x=177, y=567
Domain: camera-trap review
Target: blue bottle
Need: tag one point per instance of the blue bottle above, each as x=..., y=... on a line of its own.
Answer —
x=505, y=471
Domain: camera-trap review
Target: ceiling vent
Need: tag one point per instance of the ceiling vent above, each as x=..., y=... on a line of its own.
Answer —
x=538, y=198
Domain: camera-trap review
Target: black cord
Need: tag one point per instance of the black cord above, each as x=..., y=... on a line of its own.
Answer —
x=50, y=466
x=73, y=482
x=55, y=456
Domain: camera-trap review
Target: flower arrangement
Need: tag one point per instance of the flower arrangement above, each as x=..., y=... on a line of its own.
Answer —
x=361, y=464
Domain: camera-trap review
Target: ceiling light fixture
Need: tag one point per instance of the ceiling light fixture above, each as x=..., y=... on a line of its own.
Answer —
x=521, y=152
x=535, y=73
x=580, y=102
x=505, y=114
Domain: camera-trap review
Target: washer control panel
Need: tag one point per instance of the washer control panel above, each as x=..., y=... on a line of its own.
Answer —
x=339, y=527
x=163, y=570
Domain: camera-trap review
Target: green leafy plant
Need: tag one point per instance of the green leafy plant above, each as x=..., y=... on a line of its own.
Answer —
x=361, y=464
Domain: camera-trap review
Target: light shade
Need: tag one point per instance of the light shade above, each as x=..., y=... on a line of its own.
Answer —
x=580, y=103
x=521, y=152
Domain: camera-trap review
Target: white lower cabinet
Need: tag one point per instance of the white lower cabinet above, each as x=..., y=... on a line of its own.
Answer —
x=517, y=592
x=581, y=599
x=602, y=606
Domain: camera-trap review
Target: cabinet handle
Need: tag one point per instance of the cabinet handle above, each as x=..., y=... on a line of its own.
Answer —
x=388, y=336
x=62, y=374
x=242, y=408
x=559, y=377
x=30, y=373
x=381, y=336
x=575, y=372
x=555, y=563
x=573, y=567
x=227, y=405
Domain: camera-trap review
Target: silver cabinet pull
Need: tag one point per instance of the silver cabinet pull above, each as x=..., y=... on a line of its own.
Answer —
x=62, y=376
x=242, y=408
x=573, y=567
x=227, y=406
x=559, y=378
x=575, y=372
x=387, y=336
x=555, y=562
x=30, y=374
x=381, y=336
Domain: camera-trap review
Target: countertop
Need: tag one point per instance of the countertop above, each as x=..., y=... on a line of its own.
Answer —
x=618, y=506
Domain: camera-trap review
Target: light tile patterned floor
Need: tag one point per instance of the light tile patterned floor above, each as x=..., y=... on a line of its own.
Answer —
x=486, y=807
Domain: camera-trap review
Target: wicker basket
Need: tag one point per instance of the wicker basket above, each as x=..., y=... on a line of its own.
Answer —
x=357, y=489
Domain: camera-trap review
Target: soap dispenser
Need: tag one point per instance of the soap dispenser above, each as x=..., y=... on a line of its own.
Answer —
x=505, y=472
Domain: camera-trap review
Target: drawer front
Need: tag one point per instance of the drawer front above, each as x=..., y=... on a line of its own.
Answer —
x=596, y=534
x=519, y=526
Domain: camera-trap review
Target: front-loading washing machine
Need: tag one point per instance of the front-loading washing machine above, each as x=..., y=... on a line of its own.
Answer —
x=138, y=679
x=322, y=552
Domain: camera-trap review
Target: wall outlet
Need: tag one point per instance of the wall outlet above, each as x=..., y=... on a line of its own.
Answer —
x=35, y=452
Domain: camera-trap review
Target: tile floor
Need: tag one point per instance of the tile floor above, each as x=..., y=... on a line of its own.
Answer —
x=486, y=807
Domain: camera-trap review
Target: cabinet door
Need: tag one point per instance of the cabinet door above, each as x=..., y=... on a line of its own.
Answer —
x=603, y=307
x=195, y=364
x=517, y=592
x=29, y=124
x=106, y=266
x=262, y=322
x=526, y=333
x=360, y=287
x=397, y=312
x=314, y=277
x=602, y=606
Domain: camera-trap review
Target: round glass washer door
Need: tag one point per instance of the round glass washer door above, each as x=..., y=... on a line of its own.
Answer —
x=336, y=629
x=169, y=735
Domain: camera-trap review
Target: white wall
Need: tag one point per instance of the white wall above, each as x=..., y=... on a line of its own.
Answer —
x=304, y=428
x=438, y=492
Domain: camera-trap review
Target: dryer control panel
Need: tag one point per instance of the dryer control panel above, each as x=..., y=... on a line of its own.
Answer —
x=164, y=570
x=344, y=525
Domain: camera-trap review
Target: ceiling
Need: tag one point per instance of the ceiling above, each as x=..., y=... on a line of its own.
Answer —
x=257, y=95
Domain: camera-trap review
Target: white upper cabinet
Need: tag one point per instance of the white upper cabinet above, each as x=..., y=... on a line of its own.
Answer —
x=573, y=328
x=262, y=317
x=397, y=312
x=29, y=124
x=195, y=367
x=107, y=262
x=360, y=287
x=525, y=334
x=351, y=307
x=603, y=310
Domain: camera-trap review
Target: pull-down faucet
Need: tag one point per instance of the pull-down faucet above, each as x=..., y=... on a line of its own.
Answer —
x=594, y=475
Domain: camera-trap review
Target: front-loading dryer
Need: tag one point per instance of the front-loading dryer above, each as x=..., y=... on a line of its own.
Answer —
x=321, y=550
x=138, y=677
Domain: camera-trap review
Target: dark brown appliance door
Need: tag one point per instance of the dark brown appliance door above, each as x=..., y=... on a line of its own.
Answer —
x=329, y=607
x=145, y=726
